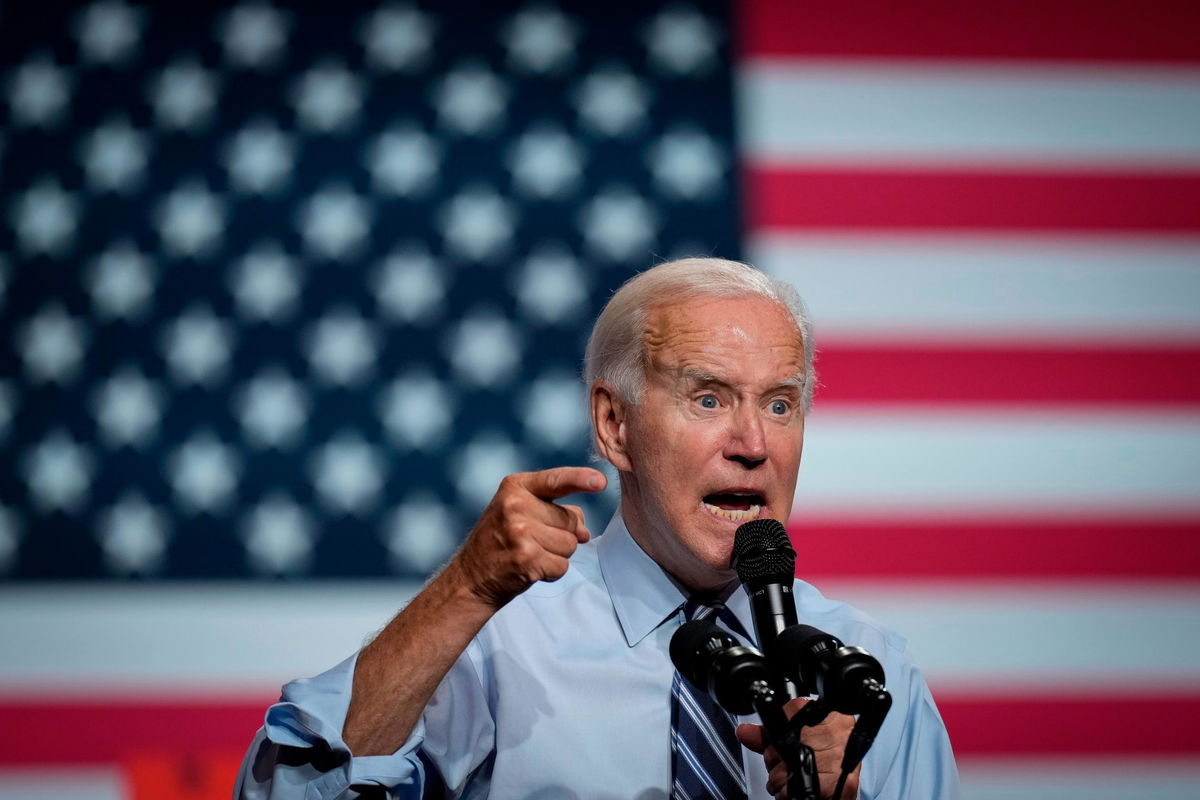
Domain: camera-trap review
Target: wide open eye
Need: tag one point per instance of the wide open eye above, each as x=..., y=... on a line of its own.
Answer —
x=779, y=407
x=708, y=401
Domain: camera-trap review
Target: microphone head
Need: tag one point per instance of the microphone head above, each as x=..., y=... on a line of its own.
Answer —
x=762, y=553
x=693, y=646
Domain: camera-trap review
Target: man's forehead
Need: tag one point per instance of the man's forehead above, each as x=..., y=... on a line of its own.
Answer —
x=709, y=323
x=721, y=339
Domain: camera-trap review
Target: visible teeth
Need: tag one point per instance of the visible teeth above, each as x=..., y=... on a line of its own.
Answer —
x=734, y=514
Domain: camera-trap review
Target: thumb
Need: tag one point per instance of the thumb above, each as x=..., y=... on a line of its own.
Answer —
x=752, y=736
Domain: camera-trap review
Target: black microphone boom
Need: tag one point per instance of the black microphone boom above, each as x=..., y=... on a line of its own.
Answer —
x=766, y=564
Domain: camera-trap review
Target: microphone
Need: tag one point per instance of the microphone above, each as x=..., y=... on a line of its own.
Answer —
x=714, y=662
x=845, y=679
x=766, y=564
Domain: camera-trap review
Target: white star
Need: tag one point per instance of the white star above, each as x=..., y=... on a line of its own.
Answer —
x=122, y=281
x=196, y=347
x=8, y=403
x=540, y=40
x=409, y=286
x=612, y=101
x=10, y=538
x=481, y=465
x=127, y=408
x=546, y=162
x=342, y=348
x=348, y=474
x=328, y=98
x=266, y=283
x=485, y=349
x=335, y=222
x=259, y=158
x=478, y=224
x=687, y=164
x=619, y=225
x=191, y=221
x=553, y=411
x=45, y=218
x=403, y=162
x=52, y=346
x=417, y=411
x=204, y=473
x=279, y=536
x=253, y=35
x=133, y=535
x=551, y=287
x=397, y=38
x=420, y=534
x=39, y=92
x=58, y=472
x=183, y=95
x=108, y=32
x=114, y=156
x=682, y=41
x=470, y=100
x=272, y=408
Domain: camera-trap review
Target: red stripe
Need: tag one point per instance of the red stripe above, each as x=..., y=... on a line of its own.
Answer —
x=1159, y=30
x=788, y=198
x=883, y=373
x=972, y=549
x=1150, y=725
x=46, y=733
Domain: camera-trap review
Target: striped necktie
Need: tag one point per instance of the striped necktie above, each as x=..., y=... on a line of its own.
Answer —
x=706, y=758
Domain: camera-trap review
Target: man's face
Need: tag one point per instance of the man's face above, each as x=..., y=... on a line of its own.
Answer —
x=716, y=440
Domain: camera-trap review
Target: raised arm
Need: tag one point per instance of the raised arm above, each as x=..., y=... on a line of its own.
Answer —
x=522, y=537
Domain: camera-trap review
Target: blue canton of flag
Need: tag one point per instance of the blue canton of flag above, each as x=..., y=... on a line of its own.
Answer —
x=288, y=291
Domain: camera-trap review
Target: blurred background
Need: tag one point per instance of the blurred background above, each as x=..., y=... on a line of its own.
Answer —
x=286, y=289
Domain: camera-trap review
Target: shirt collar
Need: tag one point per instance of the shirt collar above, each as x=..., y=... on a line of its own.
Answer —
x=643, y=594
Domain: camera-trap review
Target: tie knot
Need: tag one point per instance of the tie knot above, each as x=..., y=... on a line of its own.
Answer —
x=702, y=608
x=705, y=607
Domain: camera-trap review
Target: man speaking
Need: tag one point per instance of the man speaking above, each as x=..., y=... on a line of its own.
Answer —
x=536, y=663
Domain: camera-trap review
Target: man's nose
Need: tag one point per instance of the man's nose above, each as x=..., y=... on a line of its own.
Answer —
x=747, y=440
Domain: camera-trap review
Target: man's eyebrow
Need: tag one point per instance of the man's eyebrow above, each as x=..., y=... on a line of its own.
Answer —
x=705, y=378
x=694, y=375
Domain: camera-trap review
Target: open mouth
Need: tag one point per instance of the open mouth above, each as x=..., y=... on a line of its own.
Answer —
x=734, y=506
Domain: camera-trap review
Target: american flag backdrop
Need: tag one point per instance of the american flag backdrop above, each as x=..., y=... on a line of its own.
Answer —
x=286, y=289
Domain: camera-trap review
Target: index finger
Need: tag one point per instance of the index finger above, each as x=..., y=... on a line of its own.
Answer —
x=551, y=484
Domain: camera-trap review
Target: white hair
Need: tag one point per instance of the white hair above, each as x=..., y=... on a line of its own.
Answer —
x=616, y=351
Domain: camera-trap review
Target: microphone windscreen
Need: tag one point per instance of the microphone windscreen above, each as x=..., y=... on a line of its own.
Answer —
x=692, y=646
x=762, y=552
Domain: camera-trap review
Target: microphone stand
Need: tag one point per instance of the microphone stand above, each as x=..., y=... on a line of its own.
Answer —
x=785, y=738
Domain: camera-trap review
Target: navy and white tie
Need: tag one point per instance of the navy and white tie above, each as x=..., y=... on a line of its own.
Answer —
x=706, y=758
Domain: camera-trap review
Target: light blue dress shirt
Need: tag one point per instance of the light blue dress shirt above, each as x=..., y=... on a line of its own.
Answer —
x=565, y=693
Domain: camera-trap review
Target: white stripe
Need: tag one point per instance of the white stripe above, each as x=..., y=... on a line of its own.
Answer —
x=1082, y=638
x=1097, y=779
x=822, y=111
x=73, y=638
x=996, y=636
x=698, y=769
x=1002, y=463
x=56, y=783
x=965, y=287
x=688, y=702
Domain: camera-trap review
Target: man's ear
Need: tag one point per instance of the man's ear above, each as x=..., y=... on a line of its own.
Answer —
x=608, y=424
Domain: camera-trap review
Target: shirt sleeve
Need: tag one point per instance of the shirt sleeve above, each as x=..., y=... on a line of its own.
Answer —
x=912, y=754
x=299, y=753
